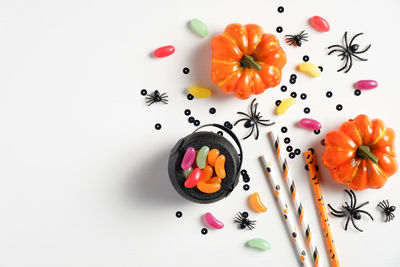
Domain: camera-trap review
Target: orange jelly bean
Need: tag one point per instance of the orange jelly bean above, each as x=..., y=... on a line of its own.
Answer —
x=220, y=166
x=212, y=156
x=256, y=204
x=208, y=188
x=215, y=180
x=206, y=173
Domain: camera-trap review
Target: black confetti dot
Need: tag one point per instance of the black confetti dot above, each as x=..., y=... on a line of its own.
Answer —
x=294, y=234
x=279, y=29
x=307, y=110
x=293, y=77
x=291, y=155
x=321, y=68
x=196, y=123
x=143, y=92
x=246, y=179
x=339, y=107
x=186, y=70
x=157, y=126
x=297, y=151
x=286, y=140
x=289, y=148
x=246, y=187
x=268, y=169
x=204, y=231
x=187, y=112
x=317, y=131
x=303, y=96
x=323, y=142
x=283, y=88
x=212, y=110
x=281, y=9
x=245, y=214
x=191, y=119
x=220, y=133
x=306, y=58
x=306, y=167
x=243, y=172
x=311, y=149
x=278, y=102
x=190, y=96
x=293, y=94
x=329, y=94
x=284, y=129
x=226, y=124
x=178, y=214
x=357, y=92
x=292, y=81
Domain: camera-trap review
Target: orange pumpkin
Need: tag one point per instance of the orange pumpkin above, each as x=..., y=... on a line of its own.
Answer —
x=246, y=61
x=361, y=153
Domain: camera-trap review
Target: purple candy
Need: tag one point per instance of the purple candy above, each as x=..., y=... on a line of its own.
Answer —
x=366, y=84
x=310, y=124
x=188, y=158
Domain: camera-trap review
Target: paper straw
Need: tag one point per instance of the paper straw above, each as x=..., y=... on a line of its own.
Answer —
x=301, y=252
x=295, y=197
x=330, y=244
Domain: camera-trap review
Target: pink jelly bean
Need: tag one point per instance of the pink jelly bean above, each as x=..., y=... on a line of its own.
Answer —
x=320, y=24
x=164, y=51
x=310, y=124
x=188, y=158
x=366, y=84
x=212, y=222
x=193, y=179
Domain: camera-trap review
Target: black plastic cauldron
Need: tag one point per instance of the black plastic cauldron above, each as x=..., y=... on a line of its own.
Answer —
x=197, y=140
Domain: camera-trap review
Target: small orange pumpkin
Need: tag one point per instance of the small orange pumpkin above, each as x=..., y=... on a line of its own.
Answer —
x=246, y=61
x=361, y=153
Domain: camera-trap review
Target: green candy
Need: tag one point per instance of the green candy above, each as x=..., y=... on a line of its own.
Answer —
x=201, y=157
x=187, y=172
x=259, y=243
x=199, y=27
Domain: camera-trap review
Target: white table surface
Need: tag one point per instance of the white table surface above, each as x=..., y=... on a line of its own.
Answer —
x=83, y=172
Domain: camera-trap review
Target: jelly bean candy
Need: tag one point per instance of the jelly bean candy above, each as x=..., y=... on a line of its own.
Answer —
x=366, y=84
x=199, y=27
x=164, y=51
x=284, y=105
x=320, y=24
x=215, y=180
x=188, y=158
x=309, y=69
x=212, y=221
x=201, y=157
x=259, y=243
x=212, y=156
x=187, y=172
x=310, y=124
x=206, y=173
x=208, y=188
x=220, y=167
x=193, y=179
x=256, y=204
x=199, y=92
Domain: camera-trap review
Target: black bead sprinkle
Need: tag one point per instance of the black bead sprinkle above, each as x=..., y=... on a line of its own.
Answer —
x=190, y=96
x=329, y=94
x=204, y=231
x=317, y=131
x=292, y=81
x=294, y=234
x=277, y=102
x=191, y=119
x=323, y=142
x=283, y=88
x=212, y=110
x=178, y=214
x=286, y=140
x=243, y=172
x=339, y=107
x=306, y=58
x=220, y=133
x=157, y=126
x=292, y=155
x=279, y=29
x=306, y=167
x=289, y=148
x=196, y=123
x=303, y=96
x=281, y=9
x=307, y=110
x=246, y=179
x=186, y=70
x=226, y=124
x=293, y=77
x=297, y=151
x=245, y=214
x=293, y=94
x=143, y=92
x=284, y=129
x=321, y=68
x=357, y=92
x=246, y=187
x=187, y=112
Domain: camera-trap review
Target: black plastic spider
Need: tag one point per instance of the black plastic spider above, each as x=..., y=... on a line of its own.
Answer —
x=387, y=209
x=297, y=38
x=243, y=221
x=156, y=97
x=351, y=210
x=348, y=51
x=253, y=119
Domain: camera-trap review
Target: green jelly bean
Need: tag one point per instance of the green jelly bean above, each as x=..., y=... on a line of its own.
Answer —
x=187, y=172
x=199, y=27
x=201, y=157
x=259, y=243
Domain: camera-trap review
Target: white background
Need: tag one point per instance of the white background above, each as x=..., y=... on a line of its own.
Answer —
x=83, y=172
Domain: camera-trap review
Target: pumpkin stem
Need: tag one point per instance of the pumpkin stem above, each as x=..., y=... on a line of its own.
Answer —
x=364, y=152
x=248, y=62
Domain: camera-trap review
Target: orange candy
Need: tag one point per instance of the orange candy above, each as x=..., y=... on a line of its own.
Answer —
x=206, y=173
x=212, y=186
x=212, y=156
x=220, y=167
x=256, y=204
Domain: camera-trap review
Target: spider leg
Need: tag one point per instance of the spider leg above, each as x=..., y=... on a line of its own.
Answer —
x=242, y=113
x=150, y=102
x=347, y=223
x=255, y=110
x=164, y=101
x=386, y=202
x=362, y=205
x=366, y=212
x=363, y=51
x=345, y=40
x=355, y=198
x=351, y=197
x=354, y=37
x=343, y=55
x=289, y=36
x=355, y=226
x=351, y=64
x=381, y=206
x=251, y=132
x=339, y=215
x=337, y=50
x=239, y=121
x=262, y=123
x=360, y=58
x=252, y=105
x=345, y=64
x=329, y=205
x=257, y=131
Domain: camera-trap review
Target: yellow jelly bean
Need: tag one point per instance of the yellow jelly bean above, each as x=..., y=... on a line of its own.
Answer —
x=206, y=173
x=208, y=187
x=212, y=156
x=256, y=204
x=199, y=92
x=309, y=69
x=220, y=167
x=284, y=105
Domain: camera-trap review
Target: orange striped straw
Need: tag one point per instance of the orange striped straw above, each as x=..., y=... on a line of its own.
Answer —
x=330, y=244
